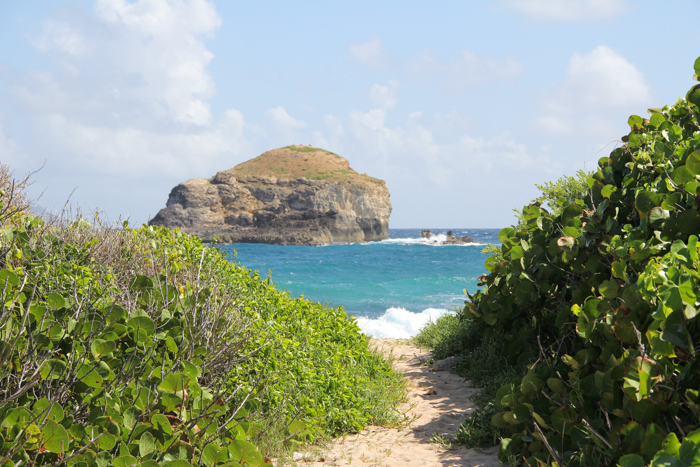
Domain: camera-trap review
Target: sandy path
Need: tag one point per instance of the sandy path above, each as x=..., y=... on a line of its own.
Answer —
x=438, y=402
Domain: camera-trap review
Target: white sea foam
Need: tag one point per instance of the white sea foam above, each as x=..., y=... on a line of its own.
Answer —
x=399, y=323
x=433, y=240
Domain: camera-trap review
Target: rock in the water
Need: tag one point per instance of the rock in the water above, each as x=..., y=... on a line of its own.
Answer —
x=294, y=195
x=450, y=239
x=455, y=240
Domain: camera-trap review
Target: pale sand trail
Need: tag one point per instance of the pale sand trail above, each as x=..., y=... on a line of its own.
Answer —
x=438, y=403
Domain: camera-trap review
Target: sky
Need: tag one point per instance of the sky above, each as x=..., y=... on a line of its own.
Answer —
x=460, y=106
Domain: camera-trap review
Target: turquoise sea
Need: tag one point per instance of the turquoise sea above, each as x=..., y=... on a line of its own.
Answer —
x=393, y=287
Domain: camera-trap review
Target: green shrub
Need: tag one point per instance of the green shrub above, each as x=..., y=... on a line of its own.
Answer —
x=122, y=347
x=599, y=299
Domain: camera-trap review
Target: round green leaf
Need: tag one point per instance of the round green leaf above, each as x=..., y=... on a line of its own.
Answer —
x=125, y=461
x=214, y=455
x=147, y=444
x=564, y=418
x=671, y=201
x=55, y=301
x=107, y=441
x=657, y=216
x=142, y=322
x=647, y=200
x=54, y=409
x=245, y=452
x=631, y=460
x=101, y=347
x=54, y=438
x=505, y=234
x=161, y=422
x=681, y=175
x=174, y=382
x=53, y=369
x=692, y=163
x=688, y=222
x=8, y=277
x=693, y=95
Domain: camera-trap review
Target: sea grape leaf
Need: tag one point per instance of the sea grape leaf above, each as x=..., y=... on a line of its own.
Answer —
x=564, y=418
x=214, y=455
x=147, y=444
x=107, y=441
x=54, y=409
x=101, y=347
x=174, y=382
x=54, y=438
x=55, y=301
x=124, y=461
x=688, y=222
x=142, y=322
x=693, y=96
x=670, y=202
x=647, y=200
x=692, y=163
x=609, y=288
x=631, y=460
x=245, y=452
x=162, y=423
x=681, y=175
x=53, y=369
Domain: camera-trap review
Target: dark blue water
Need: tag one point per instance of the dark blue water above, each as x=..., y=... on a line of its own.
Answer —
x=393, y=287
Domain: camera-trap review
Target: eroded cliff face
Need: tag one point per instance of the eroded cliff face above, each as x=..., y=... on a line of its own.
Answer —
x=293, y=195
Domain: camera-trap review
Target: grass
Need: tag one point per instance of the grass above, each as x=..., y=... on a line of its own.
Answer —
x=482, y=361
x=303, y=161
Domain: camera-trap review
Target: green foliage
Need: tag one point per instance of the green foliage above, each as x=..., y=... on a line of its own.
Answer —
x=599, y=298
x=145, y=347
x=557, y=195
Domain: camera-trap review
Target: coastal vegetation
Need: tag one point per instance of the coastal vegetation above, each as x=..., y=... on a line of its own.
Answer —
x=297, y=161
x=123, y=346
x=586, y=331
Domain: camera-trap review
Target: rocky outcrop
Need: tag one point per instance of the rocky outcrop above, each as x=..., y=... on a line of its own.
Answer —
x=450, y=238
x=294, y=195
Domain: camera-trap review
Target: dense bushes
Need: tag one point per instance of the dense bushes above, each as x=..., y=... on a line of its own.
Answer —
x=597, y=306
x=122, y=347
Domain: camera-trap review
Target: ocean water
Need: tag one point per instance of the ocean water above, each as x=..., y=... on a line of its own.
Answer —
x=393, y=287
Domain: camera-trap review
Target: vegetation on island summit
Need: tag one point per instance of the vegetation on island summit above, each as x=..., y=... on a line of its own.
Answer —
x=586, y=331
x=123, y=346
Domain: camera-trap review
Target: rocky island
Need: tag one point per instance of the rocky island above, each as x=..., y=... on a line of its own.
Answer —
x=296, y=195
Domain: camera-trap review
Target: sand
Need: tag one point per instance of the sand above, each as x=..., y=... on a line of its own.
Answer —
x=438, y=403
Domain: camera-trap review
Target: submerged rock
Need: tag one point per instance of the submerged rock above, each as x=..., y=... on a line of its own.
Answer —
x=294, y=195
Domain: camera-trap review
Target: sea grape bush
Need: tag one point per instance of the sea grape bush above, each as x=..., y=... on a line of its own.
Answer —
x=600, y=301
x=85, y=381
x=146, y=347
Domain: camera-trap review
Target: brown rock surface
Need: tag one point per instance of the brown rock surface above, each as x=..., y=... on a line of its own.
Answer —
x=292, y=195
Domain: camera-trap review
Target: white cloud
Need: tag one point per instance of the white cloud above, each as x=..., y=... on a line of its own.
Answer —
x=553, y=125
x=134, y=61
x=281, y=118
x=132, y=152
x=568, y=10
x=467, y=68
x=604, y=78
x=9, y=150
x=384, y=97
x=60, y=37
x=598, y=85
x=369, y=53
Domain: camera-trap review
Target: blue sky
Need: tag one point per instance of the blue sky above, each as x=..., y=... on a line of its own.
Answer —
x=461, y=106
